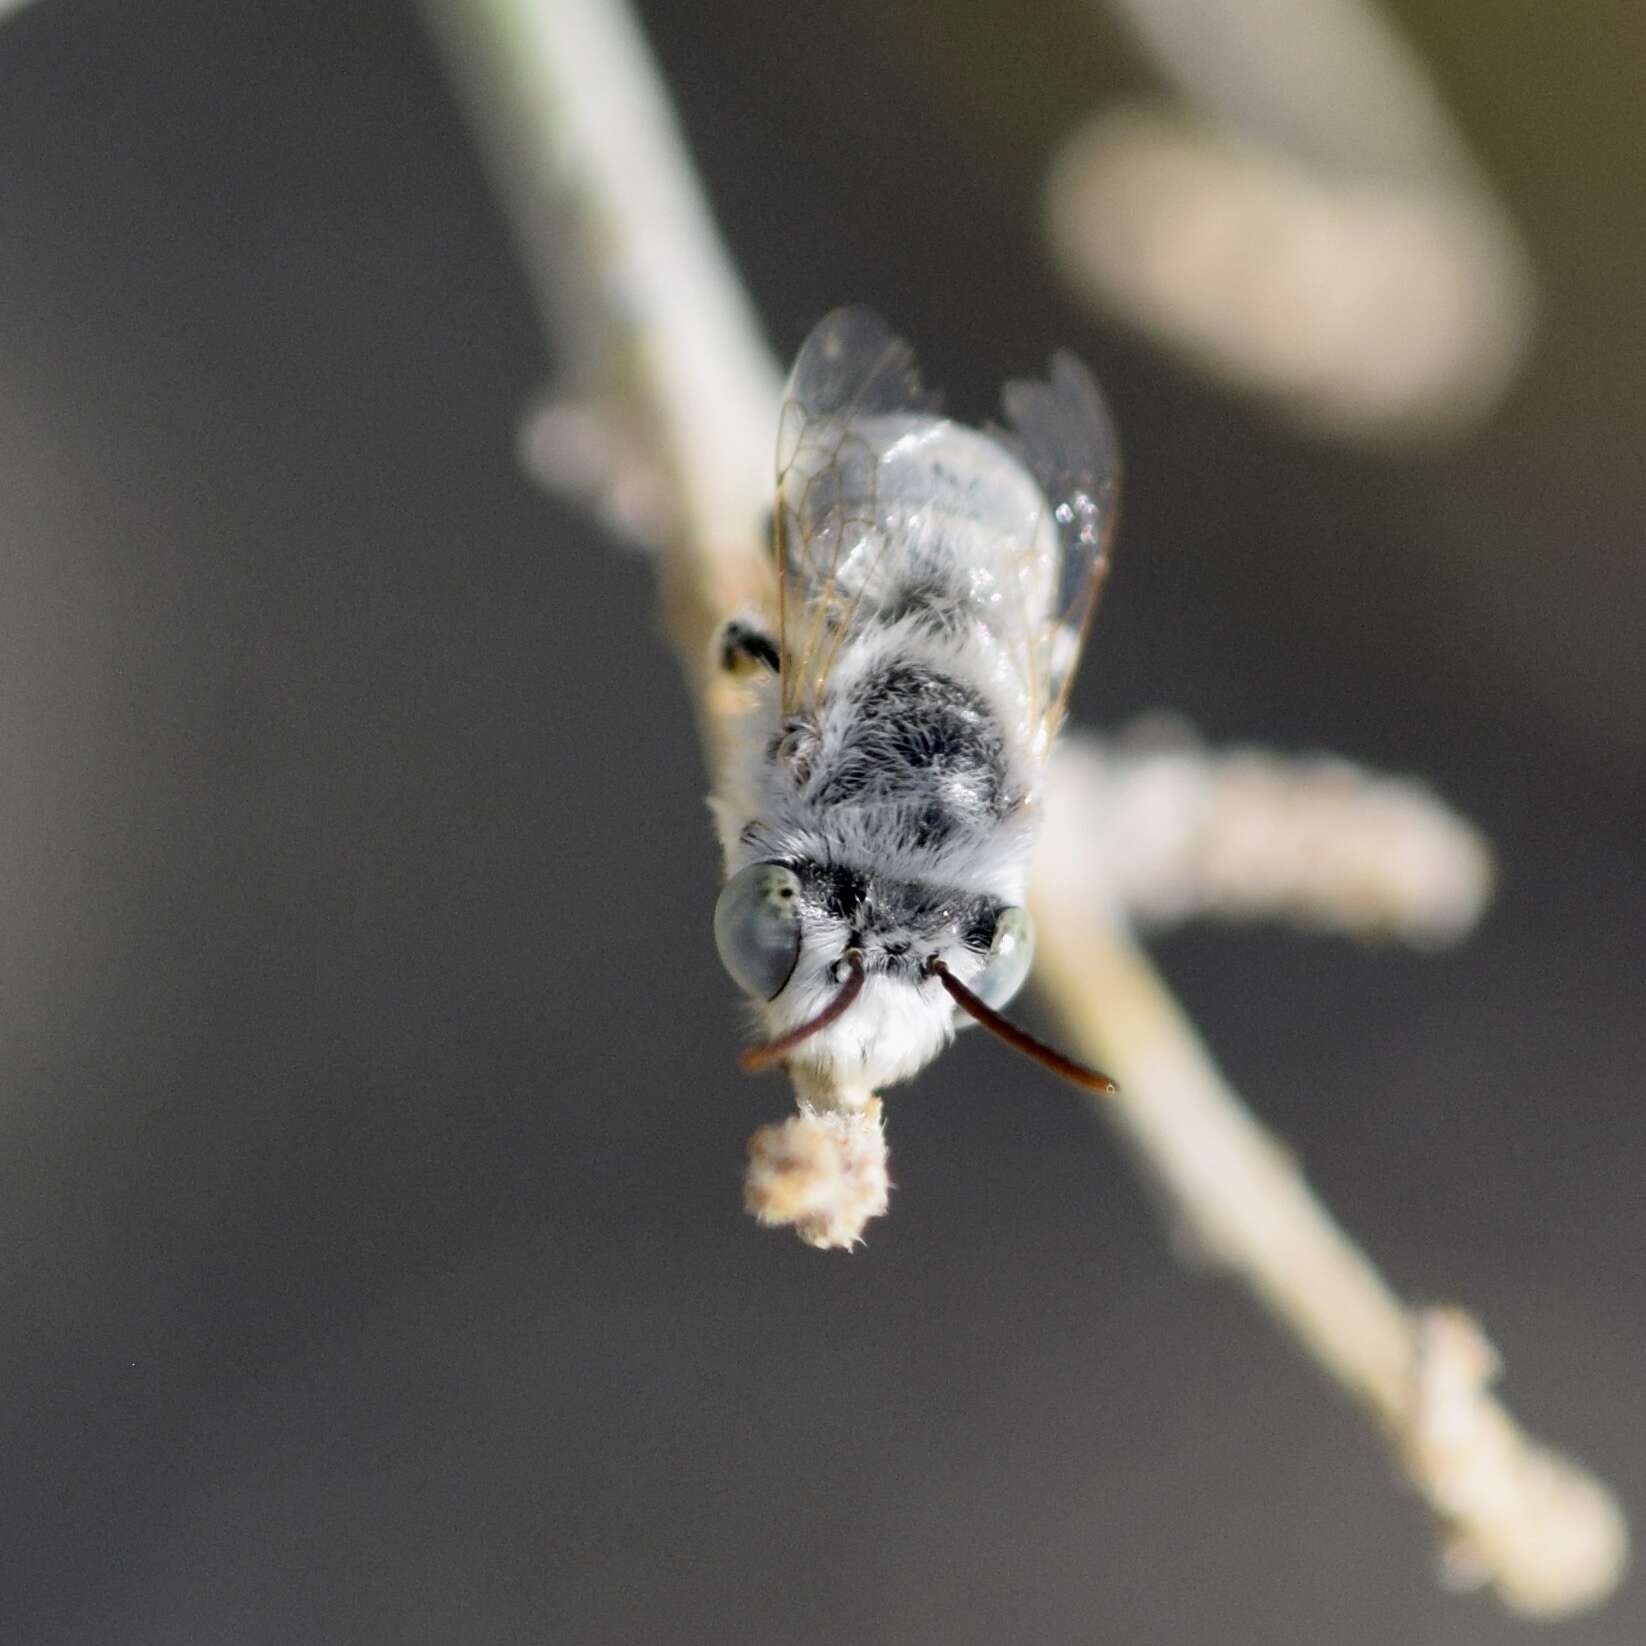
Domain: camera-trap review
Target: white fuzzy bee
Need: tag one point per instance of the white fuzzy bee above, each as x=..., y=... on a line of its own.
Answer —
x=880, y=797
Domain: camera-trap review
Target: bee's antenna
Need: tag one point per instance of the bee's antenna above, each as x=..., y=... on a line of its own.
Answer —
x=1025, y=1042
x=769, y=1052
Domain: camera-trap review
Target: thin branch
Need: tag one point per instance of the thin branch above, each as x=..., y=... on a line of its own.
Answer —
x=660, y=338
x=1549, y=1536
x=1185, y=832
x=662, y=366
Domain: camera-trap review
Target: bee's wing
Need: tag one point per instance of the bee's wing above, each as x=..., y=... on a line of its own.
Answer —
x=851, y=374
x=1062, y=431
x=871, y=482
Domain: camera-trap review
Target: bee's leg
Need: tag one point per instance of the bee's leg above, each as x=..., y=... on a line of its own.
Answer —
x=744, y=646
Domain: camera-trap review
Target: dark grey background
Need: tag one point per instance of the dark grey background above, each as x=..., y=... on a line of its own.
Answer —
x=371, y=1263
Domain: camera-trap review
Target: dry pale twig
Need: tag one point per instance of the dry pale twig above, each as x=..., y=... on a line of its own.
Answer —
x=662, y=341
x=1548, y=1536
x=1247, y=834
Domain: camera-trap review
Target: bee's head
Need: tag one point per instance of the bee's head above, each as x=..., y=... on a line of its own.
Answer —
x=859, y=976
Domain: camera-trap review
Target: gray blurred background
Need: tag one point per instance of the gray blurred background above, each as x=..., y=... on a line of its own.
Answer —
x=371, y=1260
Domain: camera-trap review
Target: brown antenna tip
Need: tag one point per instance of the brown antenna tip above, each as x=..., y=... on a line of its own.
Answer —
x=1092, y=1080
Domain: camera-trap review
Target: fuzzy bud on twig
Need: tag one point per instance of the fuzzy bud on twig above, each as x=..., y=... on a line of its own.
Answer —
x=824, y=1173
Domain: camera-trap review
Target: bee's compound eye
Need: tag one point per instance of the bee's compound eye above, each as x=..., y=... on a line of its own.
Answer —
x=1011, y=953
x=757, y=928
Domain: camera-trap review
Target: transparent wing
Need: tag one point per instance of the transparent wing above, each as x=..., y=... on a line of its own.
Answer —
x=850, y=376
x=1062, y=431
x=882, y=503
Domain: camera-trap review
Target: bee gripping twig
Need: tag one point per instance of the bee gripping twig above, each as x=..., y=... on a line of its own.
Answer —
x=583, y=141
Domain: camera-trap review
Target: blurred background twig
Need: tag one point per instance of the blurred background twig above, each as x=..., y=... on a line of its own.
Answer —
x=1306, y=221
